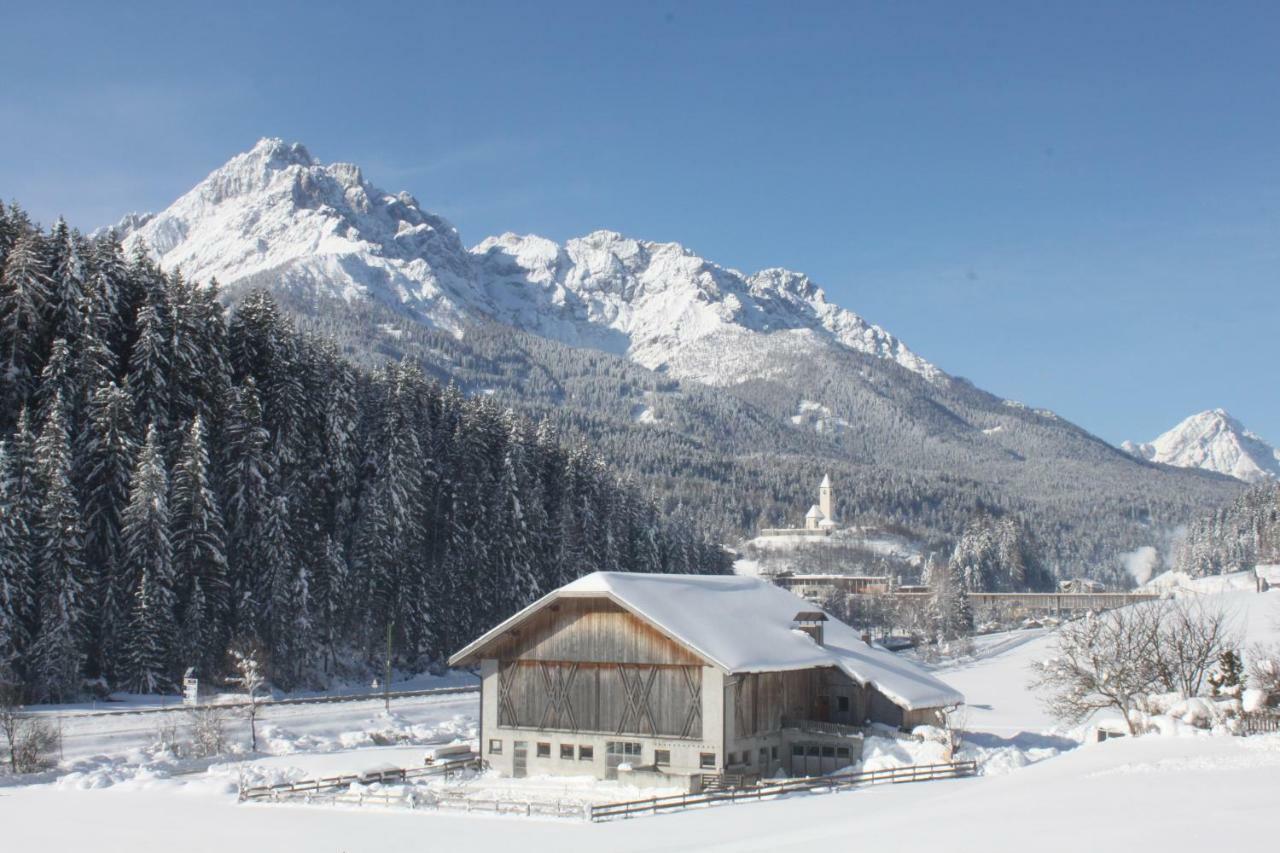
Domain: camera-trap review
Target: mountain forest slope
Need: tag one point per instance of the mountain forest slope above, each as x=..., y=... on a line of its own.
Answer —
x=177, y=482
x=692, y=378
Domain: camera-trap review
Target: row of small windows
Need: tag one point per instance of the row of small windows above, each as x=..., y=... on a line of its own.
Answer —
x=661, y=757
x=813, y=751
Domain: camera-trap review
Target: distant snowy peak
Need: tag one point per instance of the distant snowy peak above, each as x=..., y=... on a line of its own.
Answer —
x=275, y=210
x=1214, y=441
x=275, y=215
x=667, y=308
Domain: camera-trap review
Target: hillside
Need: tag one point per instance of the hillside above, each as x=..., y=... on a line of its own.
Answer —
x=689, y=375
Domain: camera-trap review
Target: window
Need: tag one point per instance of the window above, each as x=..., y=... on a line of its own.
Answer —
x=495, y=746
x=842, y=703
x=662, y=757
x=764, y=756
x=813, y=751
x=842, y=752
x=773, y=753
x=746, y=757
x=707, y=760
x=731, y=758
x=797, y=751
x=828, y=752
x=566, y=751
x=586, y=753
x=544, y=750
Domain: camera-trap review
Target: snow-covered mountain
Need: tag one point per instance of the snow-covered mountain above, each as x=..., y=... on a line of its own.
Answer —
x=275, y=212
x=722, y=391
x=1214, y=441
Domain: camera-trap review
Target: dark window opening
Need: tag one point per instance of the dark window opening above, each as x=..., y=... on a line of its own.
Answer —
x=586, y=753
x=495, y=747
x=544, y=750
x=707, y=760
x=842, y=703
x=662, y=757
x=566, y=751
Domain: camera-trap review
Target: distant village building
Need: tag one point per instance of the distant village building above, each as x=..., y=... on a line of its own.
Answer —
x=820, y=519
x=663, y=679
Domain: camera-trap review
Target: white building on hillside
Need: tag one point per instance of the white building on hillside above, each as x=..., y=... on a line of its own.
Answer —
x=820, y=520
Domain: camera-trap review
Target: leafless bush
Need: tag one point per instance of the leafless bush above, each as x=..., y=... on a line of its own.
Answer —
x=1115, y=659
x=1264, y=669
x=32, y=743
x=167, y=738
x=1106, y=660
x=1192, y=636
x=206, y=725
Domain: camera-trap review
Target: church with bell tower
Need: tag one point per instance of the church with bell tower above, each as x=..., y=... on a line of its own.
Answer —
x=822, y=515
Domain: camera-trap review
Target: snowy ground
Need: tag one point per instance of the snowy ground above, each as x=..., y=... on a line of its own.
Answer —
x=1040, y=790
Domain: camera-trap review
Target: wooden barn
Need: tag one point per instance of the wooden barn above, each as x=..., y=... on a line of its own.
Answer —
x=666, y=679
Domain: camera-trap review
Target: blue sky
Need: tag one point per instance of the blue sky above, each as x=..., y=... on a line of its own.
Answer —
x=1072, y=204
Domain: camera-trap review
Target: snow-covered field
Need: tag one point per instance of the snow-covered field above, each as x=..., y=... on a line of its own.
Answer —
x=1041, y=789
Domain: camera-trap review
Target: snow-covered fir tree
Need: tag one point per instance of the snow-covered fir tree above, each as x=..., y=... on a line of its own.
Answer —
x=148, y=559
x=58, y=649
x=201, y=476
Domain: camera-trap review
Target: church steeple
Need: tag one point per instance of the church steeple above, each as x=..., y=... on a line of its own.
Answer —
x=826, y=501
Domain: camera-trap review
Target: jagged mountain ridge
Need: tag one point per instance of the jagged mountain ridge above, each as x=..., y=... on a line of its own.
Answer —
x=1213, y=441
x=686, y=374
x=277, y=211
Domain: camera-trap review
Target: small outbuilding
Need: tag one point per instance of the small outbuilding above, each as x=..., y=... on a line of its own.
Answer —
x=669, y=679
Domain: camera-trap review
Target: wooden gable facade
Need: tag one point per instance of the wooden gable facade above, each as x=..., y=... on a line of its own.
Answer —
x=588, y=665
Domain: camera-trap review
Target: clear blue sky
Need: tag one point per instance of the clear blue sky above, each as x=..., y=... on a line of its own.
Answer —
x=1072, y=204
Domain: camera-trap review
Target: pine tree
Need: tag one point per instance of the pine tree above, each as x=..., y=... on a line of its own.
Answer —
x=57, y=652
x=105, y=463
x=149, y=366
x=199, y=556
x=247, y=472
x=148, y=558
x=24, y=305
x=17, y=577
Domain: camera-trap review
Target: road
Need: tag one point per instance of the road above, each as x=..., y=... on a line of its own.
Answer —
x=116, y=734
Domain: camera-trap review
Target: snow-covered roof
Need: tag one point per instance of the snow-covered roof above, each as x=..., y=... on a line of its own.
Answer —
x=745, y=624
x=814, y=512
x=826, y=481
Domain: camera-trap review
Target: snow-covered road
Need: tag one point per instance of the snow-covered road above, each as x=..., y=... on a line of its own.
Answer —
x=84, y=736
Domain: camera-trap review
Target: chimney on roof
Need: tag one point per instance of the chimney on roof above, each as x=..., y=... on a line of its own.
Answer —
x=810, y=621
x=866, y=637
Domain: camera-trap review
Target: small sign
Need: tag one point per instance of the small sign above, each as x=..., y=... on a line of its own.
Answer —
x=190, y=690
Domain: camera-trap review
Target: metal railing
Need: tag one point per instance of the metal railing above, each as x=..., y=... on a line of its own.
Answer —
x=894, y=775
x=822, y=728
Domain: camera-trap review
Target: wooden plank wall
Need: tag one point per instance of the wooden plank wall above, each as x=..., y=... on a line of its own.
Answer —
x=601, y=697
x=589, y=630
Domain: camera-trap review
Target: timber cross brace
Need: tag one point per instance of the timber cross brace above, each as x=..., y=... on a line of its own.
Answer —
x=637, y=692
x=558, y=681
x=695, y=704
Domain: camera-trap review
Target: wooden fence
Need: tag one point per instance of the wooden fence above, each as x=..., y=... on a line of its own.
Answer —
x=895, y=775
x=1260, y=723
x=334, y=783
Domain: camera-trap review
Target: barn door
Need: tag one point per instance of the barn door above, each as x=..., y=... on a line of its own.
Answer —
x=519, y=759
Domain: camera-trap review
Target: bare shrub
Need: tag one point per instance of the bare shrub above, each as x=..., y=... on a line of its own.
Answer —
x=32, y=743
x=206, y=726
x=1106, y=660
x=167, y=738
x=1264, y=669
x=1192, y=636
